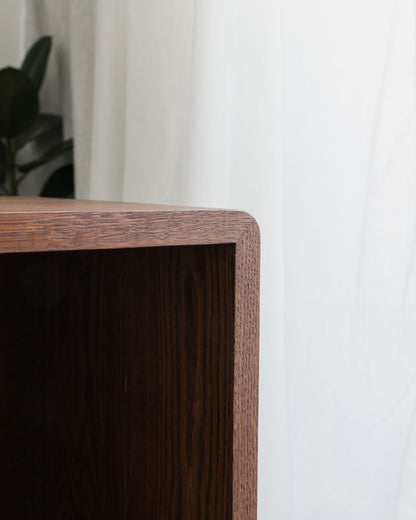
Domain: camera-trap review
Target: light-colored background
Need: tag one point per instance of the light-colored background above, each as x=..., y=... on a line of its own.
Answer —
x=11, y=32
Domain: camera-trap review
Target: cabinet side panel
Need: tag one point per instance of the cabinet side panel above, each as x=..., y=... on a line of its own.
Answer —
x=246, y=375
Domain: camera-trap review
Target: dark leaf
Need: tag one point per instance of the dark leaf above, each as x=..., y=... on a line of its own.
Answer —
x=53, y=153
x=19, y=104
x=36, y=60
x=3, y=163
x=43, y=124
x=60, y=184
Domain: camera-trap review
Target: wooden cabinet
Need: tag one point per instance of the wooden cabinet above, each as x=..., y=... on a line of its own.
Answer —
x=128, y=361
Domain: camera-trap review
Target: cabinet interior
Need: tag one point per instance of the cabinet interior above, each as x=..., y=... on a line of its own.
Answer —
x=116, y=385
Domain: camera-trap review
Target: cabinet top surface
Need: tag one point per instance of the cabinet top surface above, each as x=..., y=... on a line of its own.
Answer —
x=49, y=205
x=42, y=224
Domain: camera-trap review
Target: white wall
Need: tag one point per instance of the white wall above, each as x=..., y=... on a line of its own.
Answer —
x=11, y=32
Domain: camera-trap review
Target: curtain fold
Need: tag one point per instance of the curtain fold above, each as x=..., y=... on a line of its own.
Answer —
x=69, y=86
x=302, y=113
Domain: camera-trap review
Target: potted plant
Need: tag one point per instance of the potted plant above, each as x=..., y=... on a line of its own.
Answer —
x=22, y=123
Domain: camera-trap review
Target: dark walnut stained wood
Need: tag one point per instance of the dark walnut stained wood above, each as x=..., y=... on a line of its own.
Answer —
x=128, y=362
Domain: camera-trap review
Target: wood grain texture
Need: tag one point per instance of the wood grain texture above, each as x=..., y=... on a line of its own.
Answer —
x=129, y=375
x=49, y=205
x=57, y=225
x=246, y=369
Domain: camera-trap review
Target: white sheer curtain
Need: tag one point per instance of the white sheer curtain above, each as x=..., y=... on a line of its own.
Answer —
x=302, y=113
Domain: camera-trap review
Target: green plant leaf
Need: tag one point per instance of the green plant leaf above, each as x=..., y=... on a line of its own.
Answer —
x=3, y=163
x=60, y=184
x=36, y=60
x=52, y=153
x=43, y=124
x=19, y=103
